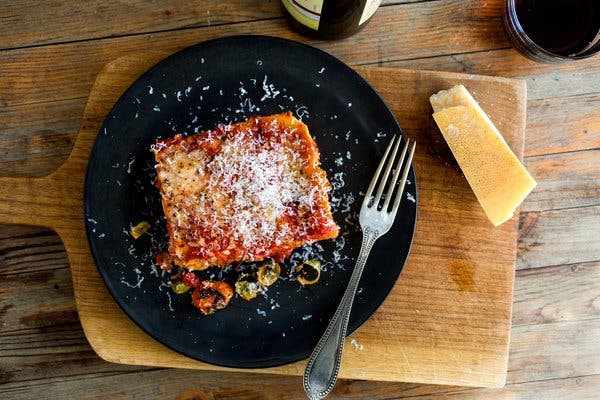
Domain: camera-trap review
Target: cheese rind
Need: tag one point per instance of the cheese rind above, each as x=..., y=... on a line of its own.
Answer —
x=498, y=179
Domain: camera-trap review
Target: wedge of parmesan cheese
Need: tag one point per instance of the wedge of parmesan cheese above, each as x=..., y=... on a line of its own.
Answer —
x=498, y=178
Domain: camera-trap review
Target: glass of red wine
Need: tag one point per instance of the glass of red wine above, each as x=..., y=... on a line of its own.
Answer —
x=553, y=30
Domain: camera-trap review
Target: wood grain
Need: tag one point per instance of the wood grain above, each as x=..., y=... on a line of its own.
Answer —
x=542, y=296
x=544, y=81
x=558, y=237
x=53, y=82
x=563, y=342
x=51, y=128
x=432, y=350
x=48, y=285
x=71, y=68
x=26, y=249
x=549, y=117
x=58, y=48
x=552, y=294
x=564, y=293
x=582, y=388
x=191, y=385
x=563, y=111
x=37, y=138
x=570, y=180
x=47, y=22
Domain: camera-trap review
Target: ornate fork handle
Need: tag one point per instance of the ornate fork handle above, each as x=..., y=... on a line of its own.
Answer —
x=324, y=363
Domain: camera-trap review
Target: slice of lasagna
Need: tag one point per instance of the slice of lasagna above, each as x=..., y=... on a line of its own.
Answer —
x=243, y=192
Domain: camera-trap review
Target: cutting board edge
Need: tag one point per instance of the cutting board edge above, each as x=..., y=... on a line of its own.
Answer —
x=495, y=383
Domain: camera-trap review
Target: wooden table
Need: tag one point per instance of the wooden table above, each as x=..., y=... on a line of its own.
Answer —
x=50, y=53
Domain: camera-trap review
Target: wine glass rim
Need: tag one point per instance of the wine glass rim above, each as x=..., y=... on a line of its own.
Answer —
x=540, y=52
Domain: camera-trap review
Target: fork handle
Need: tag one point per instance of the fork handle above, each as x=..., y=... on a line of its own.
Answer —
x=324, y=363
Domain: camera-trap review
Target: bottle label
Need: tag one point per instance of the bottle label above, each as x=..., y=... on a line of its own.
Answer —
x=307, y=12
x=370, y=7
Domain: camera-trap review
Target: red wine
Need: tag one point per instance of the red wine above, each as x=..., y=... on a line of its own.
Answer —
x=330, y=19
x=563, y=27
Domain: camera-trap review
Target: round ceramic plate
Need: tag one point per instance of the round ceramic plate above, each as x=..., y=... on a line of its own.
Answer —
x=225, y=81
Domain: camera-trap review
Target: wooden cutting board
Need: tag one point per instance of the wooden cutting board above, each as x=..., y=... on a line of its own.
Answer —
x=447, y=320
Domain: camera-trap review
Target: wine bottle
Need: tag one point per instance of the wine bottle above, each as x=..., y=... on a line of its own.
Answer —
x=330, y=19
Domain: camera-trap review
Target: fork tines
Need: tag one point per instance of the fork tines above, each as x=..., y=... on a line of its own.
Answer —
x=395, y=186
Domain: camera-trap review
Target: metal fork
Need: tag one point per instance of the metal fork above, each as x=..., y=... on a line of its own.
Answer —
x=376, y=218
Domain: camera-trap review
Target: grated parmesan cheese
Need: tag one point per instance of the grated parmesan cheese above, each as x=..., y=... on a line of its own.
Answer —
x=243, y=192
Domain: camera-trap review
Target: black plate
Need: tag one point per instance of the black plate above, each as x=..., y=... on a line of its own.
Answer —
x=228, y=80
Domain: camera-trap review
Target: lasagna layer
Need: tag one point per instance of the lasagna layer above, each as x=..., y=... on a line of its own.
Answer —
x=243, y=192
